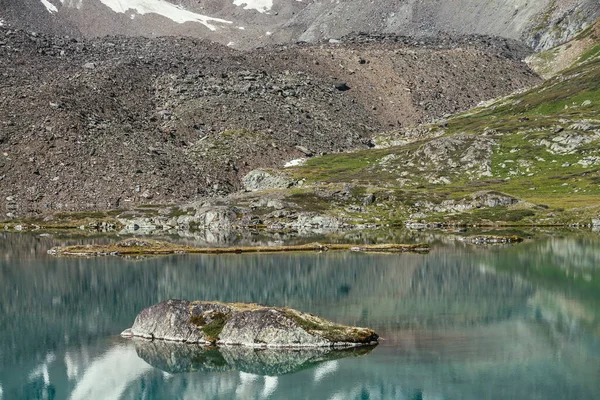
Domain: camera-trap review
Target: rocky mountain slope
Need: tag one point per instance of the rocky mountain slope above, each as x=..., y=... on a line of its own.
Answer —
x=530, y=158
x=248, y=23
x=117, y=122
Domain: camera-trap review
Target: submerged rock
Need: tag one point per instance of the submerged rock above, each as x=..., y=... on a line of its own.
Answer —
x=243, y=324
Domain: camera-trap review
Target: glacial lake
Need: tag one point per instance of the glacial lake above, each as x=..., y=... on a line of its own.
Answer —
x=462, y=322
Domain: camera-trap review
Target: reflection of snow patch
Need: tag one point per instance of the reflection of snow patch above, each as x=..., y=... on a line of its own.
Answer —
x=246, y=377
x=295, y=163
x=325, y=369
x=107, y=377
x=49, y=6
x=42, y=370
x=1, y=390
x=164, y=8
x=270, y=385
x=258, y=5
x=246, y=381
x=72, y=366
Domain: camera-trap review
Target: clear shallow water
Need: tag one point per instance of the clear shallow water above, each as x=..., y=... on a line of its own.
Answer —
x=517, y=322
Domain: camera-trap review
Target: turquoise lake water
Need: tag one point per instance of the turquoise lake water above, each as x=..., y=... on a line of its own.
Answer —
x=462, y=322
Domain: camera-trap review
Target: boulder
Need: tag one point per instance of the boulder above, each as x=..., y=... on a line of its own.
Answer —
x=258, y=180
x=240, y=324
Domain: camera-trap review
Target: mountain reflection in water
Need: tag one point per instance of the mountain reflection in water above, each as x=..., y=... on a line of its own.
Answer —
x=461, y=322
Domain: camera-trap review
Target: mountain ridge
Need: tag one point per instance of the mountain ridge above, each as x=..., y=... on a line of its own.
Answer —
x=246, y=24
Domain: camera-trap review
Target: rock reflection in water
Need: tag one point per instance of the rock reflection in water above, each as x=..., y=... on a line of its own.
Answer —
x=175, y=357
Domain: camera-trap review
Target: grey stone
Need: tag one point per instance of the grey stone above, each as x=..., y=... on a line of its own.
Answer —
x=341, y=86
x=258, y=180
x=304, y=150
x=249, y=325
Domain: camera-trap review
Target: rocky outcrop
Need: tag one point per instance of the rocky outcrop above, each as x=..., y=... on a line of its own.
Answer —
x=482, y=199
x=243, y=324
x=258, y=180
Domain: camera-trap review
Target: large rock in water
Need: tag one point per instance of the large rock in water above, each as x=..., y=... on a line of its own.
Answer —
x=243, y=324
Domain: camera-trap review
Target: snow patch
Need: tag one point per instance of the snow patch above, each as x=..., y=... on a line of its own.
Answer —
x=269, y=33
x=49, y=6
x=295, y=163
x=2, y=22
x=163, y=8
x=241, y=28
x=258, y=5
x=72, y=3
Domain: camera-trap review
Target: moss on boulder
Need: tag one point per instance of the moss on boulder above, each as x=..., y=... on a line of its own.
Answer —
x=243, y=324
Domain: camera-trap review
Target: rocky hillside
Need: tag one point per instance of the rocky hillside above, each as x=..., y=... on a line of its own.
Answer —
x=115, y=122
x=248, y=23
x=532, y=157
x=585, y=46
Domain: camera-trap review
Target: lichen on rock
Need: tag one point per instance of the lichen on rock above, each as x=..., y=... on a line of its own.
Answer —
x=243, y=324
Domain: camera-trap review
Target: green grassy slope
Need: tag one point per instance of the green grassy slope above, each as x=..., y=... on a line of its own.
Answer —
x=541, y=146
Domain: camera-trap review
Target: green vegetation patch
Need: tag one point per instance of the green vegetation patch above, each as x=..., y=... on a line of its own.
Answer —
x=343, y=167
x=329, y=330
x=213, y=329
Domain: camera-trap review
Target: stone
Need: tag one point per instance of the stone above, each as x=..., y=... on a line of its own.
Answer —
x=368, y=199
x=258, y=180
x=242, y=324
x=341, y=86
x=314, y=220
x=304, y=150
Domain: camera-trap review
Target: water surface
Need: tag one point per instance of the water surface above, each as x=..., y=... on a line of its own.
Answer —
x=510, y=322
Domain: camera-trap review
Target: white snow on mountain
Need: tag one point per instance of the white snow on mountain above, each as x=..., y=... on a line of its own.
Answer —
x=258, y=5
x=160, y=7
x=295, y=163
x=49, y=6
x=72, y=3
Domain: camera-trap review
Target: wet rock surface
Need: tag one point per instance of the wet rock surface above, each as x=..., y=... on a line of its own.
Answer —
x=242, y=324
